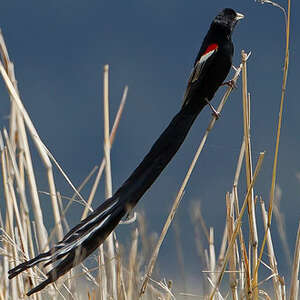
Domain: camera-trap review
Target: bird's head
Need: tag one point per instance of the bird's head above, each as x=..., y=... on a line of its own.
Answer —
x=227, y=19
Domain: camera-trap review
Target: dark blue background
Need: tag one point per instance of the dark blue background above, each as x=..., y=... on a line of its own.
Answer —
x=59, y=49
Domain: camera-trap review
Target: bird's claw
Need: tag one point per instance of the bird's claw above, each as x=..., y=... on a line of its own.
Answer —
x=216, y=114
x=230, y=83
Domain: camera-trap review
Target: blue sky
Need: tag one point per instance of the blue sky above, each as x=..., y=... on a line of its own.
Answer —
x=59, y=49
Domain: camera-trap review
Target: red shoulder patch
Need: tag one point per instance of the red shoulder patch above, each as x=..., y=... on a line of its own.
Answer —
x=211, y=47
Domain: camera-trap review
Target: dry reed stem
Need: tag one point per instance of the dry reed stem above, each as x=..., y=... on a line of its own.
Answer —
x=108, y=181
x=283, y=89
x=212, y=255
x=121, y=285
x=8, y=218
x=247, y=266
x=102, y=279
x=119, y=269
x=15, y=122
x=132, y=264
x=10, y=71
x=295, y=272
x=108, y=184
x=222, y=250
x=20, y=285
x=31, y=251
x=54, y=202
x=42, y=234
x=238, y=223
x=16, y=173
x=239, y=166
x=244, y=264
x=271, y=254
x=15, y=129
x=21, y=169
x=233, y=256
x=112, y=138
x=23, y=241
x=181, y=190
x=249, y=172
x=15, y=285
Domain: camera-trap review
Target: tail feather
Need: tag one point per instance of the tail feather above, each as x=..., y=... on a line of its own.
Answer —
x=79, y=243
x=39, y=287
x=104, y=209
x=84, y=238
x=28, y=264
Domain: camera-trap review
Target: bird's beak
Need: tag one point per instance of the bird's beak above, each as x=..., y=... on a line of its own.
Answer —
x=239, y=16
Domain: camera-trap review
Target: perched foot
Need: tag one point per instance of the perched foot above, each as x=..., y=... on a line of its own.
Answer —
x=214, y=112
x=230, y=83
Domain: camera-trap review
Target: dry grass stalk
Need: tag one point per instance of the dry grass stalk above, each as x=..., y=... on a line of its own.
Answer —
x=17, y=129
x=132, y=264
x=238, y=224
x=249, y=173
x=121, y=294
x=212, y=256
x=108, y=184
x=271, y=255
x=9, y=67
x=9, y=220
x=4, y=290
x=232, y=259
x=222, y=250
x=283, y=89
x=42, y=235
x=14, y=169
x=108, y=181
x=102, y=278
x=111, y=139
x=245, y=277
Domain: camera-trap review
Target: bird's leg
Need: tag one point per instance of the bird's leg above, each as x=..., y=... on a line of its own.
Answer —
x=214, y=112
x=230, y=83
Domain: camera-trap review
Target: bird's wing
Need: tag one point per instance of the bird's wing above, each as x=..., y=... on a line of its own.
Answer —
x=198, y=70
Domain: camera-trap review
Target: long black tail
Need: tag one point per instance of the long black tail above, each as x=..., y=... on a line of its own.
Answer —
x=84, y=238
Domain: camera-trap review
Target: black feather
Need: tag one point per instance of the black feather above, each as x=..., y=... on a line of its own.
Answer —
x=208, y=74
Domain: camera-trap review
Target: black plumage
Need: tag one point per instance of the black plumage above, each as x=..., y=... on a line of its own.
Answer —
x=211, y=67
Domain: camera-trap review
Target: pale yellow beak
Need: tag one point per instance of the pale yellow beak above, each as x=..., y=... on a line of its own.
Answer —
x=239, y=16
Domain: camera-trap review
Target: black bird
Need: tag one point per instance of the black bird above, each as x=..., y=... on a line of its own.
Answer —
x=211, y=67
